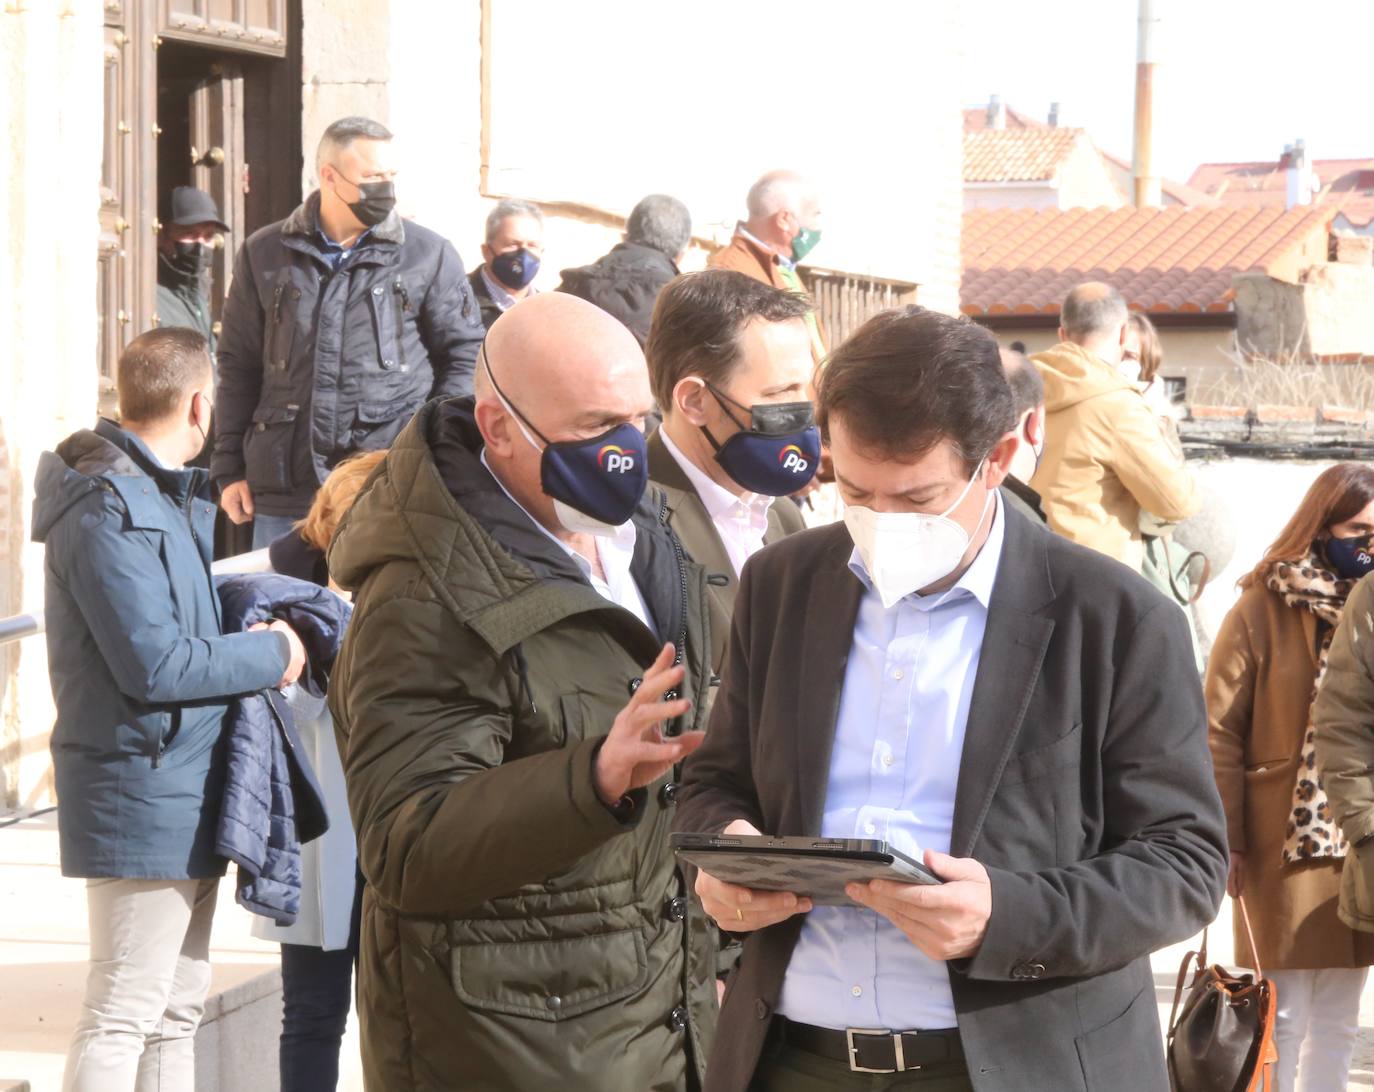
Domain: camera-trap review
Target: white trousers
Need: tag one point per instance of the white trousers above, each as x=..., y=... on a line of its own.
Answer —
x=145, y=993
x=1318, y=1018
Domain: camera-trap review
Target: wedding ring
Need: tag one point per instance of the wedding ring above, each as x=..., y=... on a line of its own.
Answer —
x=739, y=913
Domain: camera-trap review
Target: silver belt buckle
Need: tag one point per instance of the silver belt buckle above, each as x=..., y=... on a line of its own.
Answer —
x=899, y=1057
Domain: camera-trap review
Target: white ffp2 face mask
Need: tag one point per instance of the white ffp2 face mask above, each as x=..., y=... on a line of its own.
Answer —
x=907, y=551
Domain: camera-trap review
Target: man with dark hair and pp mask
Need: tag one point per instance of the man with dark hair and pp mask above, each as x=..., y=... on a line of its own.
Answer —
x=185, y=244
x=342, y=320
x=528, y=662
x=1016, y=713
x=730, y=362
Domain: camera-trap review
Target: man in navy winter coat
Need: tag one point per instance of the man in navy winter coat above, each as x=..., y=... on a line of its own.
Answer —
x=142, y=677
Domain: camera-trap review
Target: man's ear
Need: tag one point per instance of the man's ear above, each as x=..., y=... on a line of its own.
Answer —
x=1000, y=458
x=496, y=427
x=487, y=254
x=1034, y=427
x=691, y=399
x=1063, y=336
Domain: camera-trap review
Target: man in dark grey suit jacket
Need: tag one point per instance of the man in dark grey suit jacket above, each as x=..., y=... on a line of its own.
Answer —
x=1019, y=711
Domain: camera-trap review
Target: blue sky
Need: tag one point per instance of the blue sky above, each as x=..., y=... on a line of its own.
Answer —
x=1238, y=80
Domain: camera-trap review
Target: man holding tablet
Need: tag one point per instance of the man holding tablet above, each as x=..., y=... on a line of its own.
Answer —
x=1017, y=713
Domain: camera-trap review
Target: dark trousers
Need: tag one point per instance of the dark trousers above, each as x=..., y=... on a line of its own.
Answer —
x=317, y=992
x=784, y=1068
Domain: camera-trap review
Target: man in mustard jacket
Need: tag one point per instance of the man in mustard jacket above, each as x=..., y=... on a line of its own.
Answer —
x=1106, y=457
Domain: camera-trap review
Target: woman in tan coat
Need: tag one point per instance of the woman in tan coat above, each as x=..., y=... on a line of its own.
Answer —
x=1286, y=850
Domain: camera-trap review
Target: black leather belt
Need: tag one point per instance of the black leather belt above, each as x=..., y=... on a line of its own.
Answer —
x=875, y=1050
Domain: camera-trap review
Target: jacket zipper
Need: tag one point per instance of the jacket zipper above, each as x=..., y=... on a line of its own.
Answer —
x=680, y=650
x=277, y=297
x=402, y=298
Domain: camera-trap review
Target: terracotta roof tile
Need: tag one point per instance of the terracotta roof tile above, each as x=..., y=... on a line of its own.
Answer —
x=1017, y=155
x=1265, y=184
x=1162, y=260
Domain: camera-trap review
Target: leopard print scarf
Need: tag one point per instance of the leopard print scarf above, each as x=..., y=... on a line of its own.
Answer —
x=1310, y=585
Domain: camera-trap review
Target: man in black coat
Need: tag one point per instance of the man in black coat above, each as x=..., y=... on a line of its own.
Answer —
x=627, y=280
x=1020, y=713
x=341, y=322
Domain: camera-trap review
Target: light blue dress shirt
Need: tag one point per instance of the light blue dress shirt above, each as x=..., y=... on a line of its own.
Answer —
x=899, y=742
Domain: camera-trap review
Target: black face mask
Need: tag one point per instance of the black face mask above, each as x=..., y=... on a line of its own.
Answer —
x=190, y=259
x=375, y=201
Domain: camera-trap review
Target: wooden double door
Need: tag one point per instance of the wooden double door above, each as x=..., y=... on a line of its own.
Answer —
x=204, y=93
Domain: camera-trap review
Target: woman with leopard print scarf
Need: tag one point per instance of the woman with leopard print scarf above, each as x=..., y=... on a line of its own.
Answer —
x=1286, y=849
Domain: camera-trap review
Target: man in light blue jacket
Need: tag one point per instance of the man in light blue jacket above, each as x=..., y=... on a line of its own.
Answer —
x=142, y=677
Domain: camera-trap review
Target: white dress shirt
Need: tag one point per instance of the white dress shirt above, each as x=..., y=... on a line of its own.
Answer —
x=899, y=741
x=741, y=520
x=615, y=554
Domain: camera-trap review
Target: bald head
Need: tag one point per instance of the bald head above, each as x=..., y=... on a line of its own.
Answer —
x=780, y=204
x=1094, y=316
x=571, y=371
x=556, y=350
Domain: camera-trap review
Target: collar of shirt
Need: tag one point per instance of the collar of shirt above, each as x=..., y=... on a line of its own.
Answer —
x=336, y=253
x=786, y=263
x=720, y=502
x=615, y=552
x=977, y=581
x=497, y=291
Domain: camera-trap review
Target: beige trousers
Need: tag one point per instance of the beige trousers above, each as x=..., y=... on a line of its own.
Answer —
x=145, y=993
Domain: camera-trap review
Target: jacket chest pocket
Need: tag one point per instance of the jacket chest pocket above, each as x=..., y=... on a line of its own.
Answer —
x=1036, y=818
x=390, y=301
x=281, y=326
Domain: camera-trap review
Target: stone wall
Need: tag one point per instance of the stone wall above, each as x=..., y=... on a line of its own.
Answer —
x=51, y=105
x=1326, y=311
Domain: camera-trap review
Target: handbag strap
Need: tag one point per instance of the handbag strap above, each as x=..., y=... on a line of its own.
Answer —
x=1197, y=960
x=1250, y=935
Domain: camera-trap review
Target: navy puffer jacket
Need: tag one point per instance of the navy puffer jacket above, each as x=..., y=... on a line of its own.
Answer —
x=272, y=801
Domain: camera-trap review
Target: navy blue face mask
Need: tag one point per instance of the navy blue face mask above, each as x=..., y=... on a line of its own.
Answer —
x=515, y=268
x=777, y=454
x=1350, y=557
x=595, y=484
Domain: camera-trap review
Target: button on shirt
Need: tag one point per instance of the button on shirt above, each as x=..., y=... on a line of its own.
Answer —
x=741, y=521
x=615, y=554
x=899, y=742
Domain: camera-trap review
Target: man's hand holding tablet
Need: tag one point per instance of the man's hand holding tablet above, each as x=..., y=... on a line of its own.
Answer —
x=742, y=910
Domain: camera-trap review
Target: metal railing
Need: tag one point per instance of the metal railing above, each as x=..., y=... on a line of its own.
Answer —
x=18, y=626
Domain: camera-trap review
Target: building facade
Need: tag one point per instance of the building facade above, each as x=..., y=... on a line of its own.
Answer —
x=107, y=105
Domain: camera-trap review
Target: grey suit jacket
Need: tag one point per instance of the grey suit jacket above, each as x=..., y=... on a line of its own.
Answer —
x=1085, y=788
x=690, y=521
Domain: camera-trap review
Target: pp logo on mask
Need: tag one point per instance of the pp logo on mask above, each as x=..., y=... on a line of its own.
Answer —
x=615, y=460
x=794, y=459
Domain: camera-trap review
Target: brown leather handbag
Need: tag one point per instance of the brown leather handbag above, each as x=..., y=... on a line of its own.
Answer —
x=1221, y=1039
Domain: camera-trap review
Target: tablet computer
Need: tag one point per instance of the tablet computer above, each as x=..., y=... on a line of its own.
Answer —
x=817, y=867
